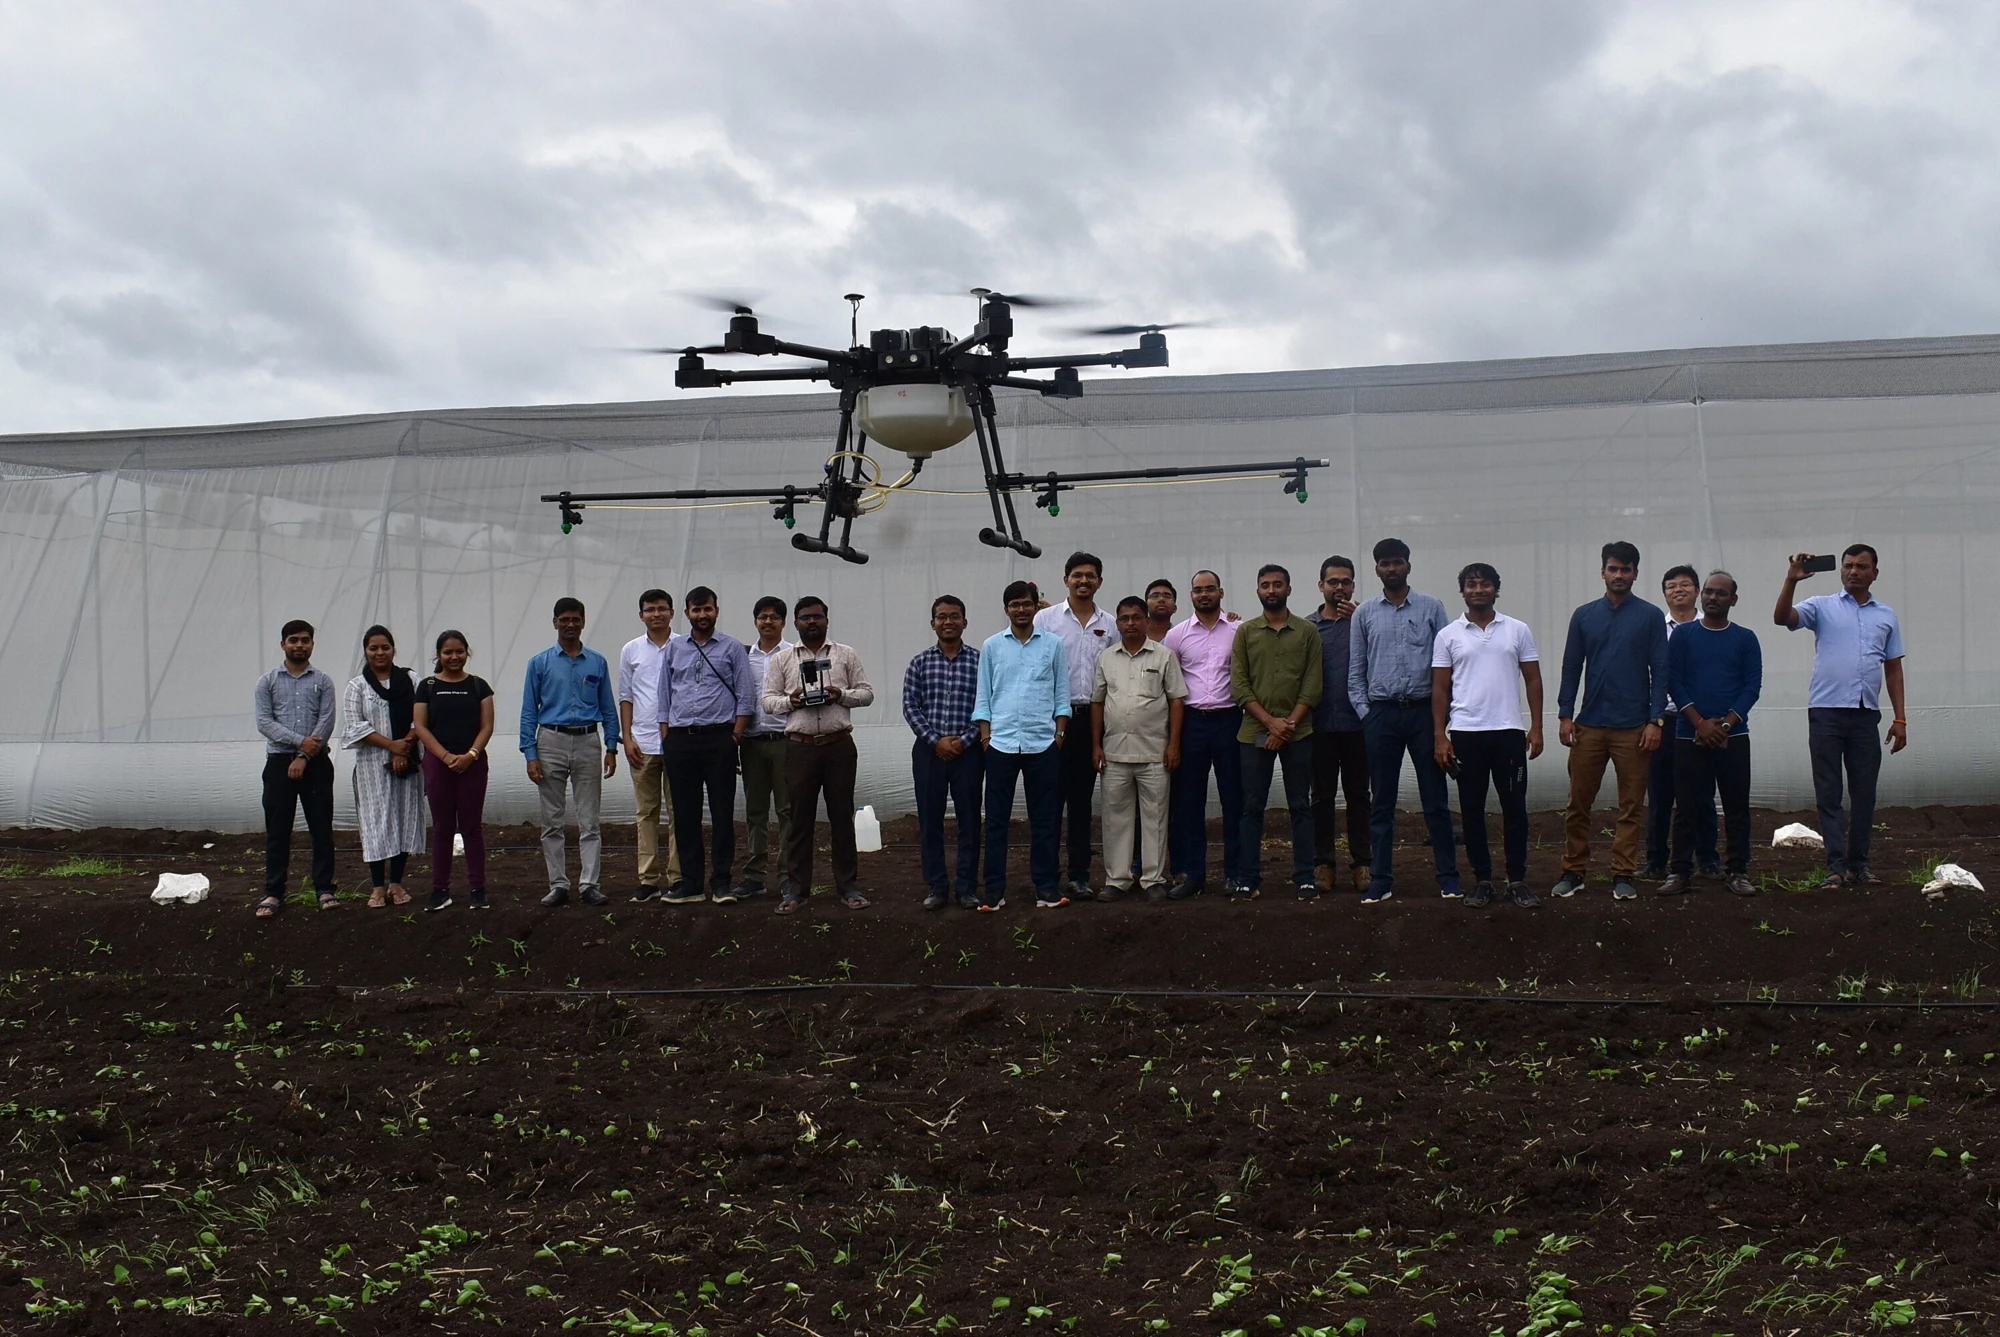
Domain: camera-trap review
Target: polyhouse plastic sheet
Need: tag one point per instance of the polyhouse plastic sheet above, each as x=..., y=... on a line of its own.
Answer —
x=149, y=571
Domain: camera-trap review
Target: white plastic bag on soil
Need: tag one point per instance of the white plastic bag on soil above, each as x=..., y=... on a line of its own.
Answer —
x=1949, y=875
x=185, y=888
x=1796, y=836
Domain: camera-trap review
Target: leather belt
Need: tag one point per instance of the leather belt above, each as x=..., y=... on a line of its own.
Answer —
x=1215, y=710
x=1403, y=702
x=817, y=739
x=573, y=730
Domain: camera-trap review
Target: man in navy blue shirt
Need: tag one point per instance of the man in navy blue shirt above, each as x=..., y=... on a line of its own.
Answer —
x=1617, y=652
x=567, y=698
x=1716, y=671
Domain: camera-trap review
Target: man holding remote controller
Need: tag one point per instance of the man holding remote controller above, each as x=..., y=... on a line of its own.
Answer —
x=814, y=687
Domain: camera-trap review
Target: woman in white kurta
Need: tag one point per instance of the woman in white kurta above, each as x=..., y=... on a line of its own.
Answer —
x=388, y=782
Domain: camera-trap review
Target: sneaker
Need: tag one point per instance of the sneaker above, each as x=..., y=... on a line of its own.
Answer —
x=726, y=895
x=1309, y=891
x=745, y=890
x=1480, y=896
x=1362, y=875
x=1622, y=889
x=1449, y=889
x=644, y=894
x=989, y=907
x=438, y=901
x=1186, y=889
x=1570, y=885
x=1677, y=884
x=969, y=900
x=682, y=894
x=937, y=899
x=1652, y=872
x=1052, y=899
x=1079, y=891
x=1739, y=884
x=1523, y=896
x=1712, y=872
x=1379, y=890
x=477, y=900
x=592, y=896
x=557, y=896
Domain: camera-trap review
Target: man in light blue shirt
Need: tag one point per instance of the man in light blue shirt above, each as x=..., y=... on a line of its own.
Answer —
x=1023, y=710
x=567, y=698
x=707, y=700
x=1389, y=686
x=1858, y=645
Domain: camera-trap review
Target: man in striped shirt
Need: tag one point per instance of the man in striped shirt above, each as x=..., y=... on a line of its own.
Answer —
x=940, y=688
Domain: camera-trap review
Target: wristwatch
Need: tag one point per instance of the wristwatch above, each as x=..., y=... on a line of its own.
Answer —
x=1724, y=725
x=1660, y=722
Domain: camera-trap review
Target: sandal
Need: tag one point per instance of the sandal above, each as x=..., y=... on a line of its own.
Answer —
x=328, y=901
x=1863, y=877
x=397, y=896
x=268, y=907
x=377, y=897
x=853, y=899
x=1833, y=882
x=789, y=904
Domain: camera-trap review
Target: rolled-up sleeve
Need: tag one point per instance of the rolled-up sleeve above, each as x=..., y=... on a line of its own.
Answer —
x=264, y=704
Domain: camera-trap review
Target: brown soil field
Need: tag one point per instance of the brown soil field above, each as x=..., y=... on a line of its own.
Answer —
x=1697, y=1115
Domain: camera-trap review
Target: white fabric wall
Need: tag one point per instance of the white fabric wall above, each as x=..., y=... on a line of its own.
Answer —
x=146, y=585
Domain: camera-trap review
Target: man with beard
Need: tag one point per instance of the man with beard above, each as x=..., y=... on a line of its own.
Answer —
x=940, y=688
x=1204, y=644
x=1162, y=602
x=1084, y=630
x=1476, y=665
x=815, y=686
x=1716, y=671
x=1274, y=675
x=1389, y=684
x=707, y=701
x=1340, y=747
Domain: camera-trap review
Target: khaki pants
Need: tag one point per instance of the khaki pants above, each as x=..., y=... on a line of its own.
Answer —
x=649, y=790
x=1594, y=747
x=1135, y=794
x=762, y=762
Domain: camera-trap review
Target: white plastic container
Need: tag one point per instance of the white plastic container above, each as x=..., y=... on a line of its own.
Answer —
x=867, y=831
x=918, y=420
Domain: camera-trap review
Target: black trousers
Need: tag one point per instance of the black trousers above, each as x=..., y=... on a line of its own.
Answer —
x=698, y=757
x=958, y=780
x=1499, y=756
x=1079, y=780
x=811, y=770
x=1661, y=804
x=1340, y=762
x=282, y=798
x=1845, y=739
x=1698, y=773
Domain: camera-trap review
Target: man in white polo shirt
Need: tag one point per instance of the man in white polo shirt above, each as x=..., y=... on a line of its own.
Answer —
x=1481, y=735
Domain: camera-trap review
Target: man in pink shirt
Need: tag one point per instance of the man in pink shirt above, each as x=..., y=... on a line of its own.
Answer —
x=1208, y=740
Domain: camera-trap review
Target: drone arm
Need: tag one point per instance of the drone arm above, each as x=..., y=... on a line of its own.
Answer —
x=724, y=376
x=829, y=355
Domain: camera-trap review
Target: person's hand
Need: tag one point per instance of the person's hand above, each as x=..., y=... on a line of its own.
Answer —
x=1899, y=736
x=297, y=770
x=1709, y=733
x=1566, y=731
x=798, y=698
x=312, y=747
x=1444, y=751
x=534, y=771
x=1097, y=759
x=1283, y=729
x=633, y=754
x=1173, y=757
x=1273, y=743
x=1059, y=738
x=1798, y=570
x=458, y=763
x=833, y=695
x=949, y=748
x=1534, y=742
x=610, y=764
x=399, y=764
x=1649, y=737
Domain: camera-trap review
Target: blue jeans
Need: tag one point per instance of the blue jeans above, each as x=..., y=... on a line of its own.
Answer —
x=1041, y=776
x=1837, y=739
x=1391, y=731
x=1257, y=763
x=1208, y=739
x=936, y=781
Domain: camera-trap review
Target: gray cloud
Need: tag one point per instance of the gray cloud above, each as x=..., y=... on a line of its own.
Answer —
x=233, y=211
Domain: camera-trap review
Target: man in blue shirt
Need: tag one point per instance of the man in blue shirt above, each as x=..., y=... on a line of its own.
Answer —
x=1715, y=670
x=1389, y=686
x=707, y=700
x=940, y=689
x=1340, y=748
x=1023, y=710
x=1622, y=641
x=569, y=695
x=1857, y=647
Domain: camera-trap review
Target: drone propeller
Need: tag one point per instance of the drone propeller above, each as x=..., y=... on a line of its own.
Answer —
x=1120, y=331
x=734, y=306
x=1044, y=302
x=672, y=352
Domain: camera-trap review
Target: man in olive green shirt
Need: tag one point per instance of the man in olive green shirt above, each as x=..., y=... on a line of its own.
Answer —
x=1274, y=674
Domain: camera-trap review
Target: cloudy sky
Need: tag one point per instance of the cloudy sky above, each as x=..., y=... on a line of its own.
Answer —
x=218, y=212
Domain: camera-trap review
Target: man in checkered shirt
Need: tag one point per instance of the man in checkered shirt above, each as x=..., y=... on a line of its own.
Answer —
x=939, y=690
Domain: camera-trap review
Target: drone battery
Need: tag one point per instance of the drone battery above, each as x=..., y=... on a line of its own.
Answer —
x=916, y=419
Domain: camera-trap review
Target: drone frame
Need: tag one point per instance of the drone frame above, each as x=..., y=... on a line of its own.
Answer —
x=920, y=356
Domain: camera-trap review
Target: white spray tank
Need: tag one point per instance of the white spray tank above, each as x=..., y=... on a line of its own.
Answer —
x=867, y=831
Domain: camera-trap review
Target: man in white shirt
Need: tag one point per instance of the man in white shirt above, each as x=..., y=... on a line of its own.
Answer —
x=761, y=758
x=1680, y=591
x=638, y=695
x=1476, y=663
x=1086, y=631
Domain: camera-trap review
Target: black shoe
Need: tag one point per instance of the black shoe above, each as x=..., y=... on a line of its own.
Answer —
x=1185, y=890
x=1159, y=891
x=477, y=900
x=1480, y=896
x=968, y=900
x=1522, y=895
x=1242, y=891
x=1712, y=872
x=557, y=896
x=645, y=893
x=745, y=890
x=1678, y=884
x=936, y=900
x=1104, y=895
x=1079, y=890
x=1652, y=872
x=1308, y=891
x=682, y=894
x=1739, y=884
x=438, y=901
x=592, y=896
x=726, y=895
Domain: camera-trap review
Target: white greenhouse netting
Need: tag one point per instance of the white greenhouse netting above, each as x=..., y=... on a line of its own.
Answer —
x=148, y=572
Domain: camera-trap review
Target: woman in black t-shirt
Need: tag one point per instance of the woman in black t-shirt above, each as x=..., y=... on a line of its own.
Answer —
x=454, y=720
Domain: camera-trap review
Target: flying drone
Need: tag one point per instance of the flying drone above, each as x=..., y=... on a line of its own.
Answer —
x=918, y=392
